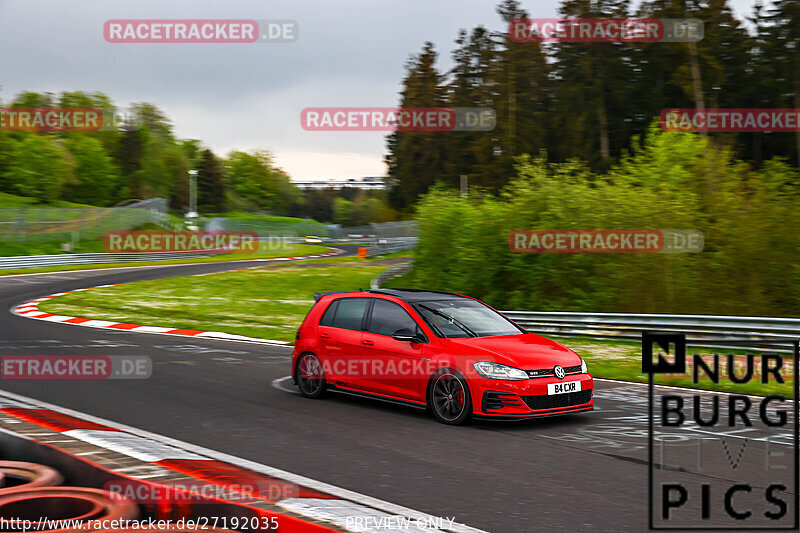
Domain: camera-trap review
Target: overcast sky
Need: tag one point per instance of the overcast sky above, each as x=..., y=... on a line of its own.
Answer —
x=246, y=96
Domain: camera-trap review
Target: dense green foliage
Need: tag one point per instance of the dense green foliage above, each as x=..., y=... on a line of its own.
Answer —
x=136, y=155
x=588, y=100
x=672, y=181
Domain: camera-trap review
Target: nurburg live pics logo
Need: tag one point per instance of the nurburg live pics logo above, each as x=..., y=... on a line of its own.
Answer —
x=723, y=461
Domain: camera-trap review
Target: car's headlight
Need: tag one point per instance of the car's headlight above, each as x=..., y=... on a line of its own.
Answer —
x=498, y=371
x=584, y=368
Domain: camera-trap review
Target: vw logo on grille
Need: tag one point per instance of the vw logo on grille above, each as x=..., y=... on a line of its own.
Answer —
x=559, y=372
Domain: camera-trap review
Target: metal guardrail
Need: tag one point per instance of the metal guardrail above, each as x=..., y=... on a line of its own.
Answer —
x=388, y=246
x=629, y=326
x=390, y=273
x=39, y=261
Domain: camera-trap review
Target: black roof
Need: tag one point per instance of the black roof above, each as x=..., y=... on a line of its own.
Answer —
x=417, y=295
x=408, y=295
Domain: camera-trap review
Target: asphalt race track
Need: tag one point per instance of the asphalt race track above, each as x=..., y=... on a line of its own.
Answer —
x=585, y=472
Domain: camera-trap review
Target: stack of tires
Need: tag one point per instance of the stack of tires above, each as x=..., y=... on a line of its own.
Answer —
x=31, y=498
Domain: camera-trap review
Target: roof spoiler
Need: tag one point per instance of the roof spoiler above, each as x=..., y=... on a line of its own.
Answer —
x=318, y=295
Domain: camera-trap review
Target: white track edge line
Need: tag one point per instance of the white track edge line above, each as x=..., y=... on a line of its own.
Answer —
x=252, y=340
x=262, y=342
x=321, y=486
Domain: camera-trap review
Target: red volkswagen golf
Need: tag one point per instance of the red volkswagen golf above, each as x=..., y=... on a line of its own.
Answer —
x=450, y=353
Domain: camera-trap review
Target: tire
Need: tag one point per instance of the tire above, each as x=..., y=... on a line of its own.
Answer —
x=449, y=398
x=79, y=504
x=310, y=376
x=18, y=476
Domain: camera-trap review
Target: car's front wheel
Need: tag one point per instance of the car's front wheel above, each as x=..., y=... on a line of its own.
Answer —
x=449, y=397
x=310, y=376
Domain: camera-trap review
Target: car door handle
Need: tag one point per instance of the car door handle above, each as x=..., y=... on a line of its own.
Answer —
x=324, y=336
x=367, y=343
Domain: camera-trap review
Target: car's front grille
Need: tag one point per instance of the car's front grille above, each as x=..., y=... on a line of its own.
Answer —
x=554, y=401
x=545, y=372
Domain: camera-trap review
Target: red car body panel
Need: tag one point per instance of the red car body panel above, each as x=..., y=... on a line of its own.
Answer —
x=364, y=362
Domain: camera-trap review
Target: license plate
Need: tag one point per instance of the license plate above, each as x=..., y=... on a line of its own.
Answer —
x=563, y=388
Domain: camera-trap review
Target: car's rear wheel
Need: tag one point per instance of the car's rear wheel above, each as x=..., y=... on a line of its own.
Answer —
x=449, y=397
x=310, y=376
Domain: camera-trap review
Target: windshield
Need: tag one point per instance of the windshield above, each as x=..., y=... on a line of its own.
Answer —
x=465, y=318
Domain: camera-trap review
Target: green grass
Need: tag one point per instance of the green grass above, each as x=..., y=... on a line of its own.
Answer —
x=12, y=200
x=268, y=303
x=622, y=360
x=256, y=217
x=406, y=281
x=285, y=250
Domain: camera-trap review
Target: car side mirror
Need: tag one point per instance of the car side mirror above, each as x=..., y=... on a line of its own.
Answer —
x=405, y=335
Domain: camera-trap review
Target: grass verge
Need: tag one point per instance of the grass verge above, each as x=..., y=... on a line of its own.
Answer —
x=12, y=200
x=622, y=360
x=268, y=251
x=268, y=302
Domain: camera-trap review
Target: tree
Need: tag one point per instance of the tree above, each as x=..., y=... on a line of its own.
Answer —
x=7, y=160
x=149, y=116
x=128, y=157
x=33, y=99
x=210, y=183
x=472, y=152
x=109, y=135
x=784, y=48
x=519, y=79
x=95, y=176
x=343, y=212
x=594, y=88
x=39, y=168
x=254, y=176
x=416, y=159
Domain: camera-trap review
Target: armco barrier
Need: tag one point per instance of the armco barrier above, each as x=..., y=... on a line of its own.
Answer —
x=630, y=326
x=40, y=261
x=389, y=246
x=390, y=273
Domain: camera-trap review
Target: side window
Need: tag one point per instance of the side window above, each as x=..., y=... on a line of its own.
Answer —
x=330, y=313
x=350, y=313
x=388, y=317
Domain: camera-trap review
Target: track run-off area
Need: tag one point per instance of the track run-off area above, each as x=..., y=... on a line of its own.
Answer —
x=584, y=472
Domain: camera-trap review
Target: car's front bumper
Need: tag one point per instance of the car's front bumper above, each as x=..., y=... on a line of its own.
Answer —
x=529, y=398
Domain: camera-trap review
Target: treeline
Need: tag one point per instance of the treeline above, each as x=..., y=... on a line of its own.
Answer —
x=347, y=206
x=588, y=100
x=139, y=156
x=672, y=181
